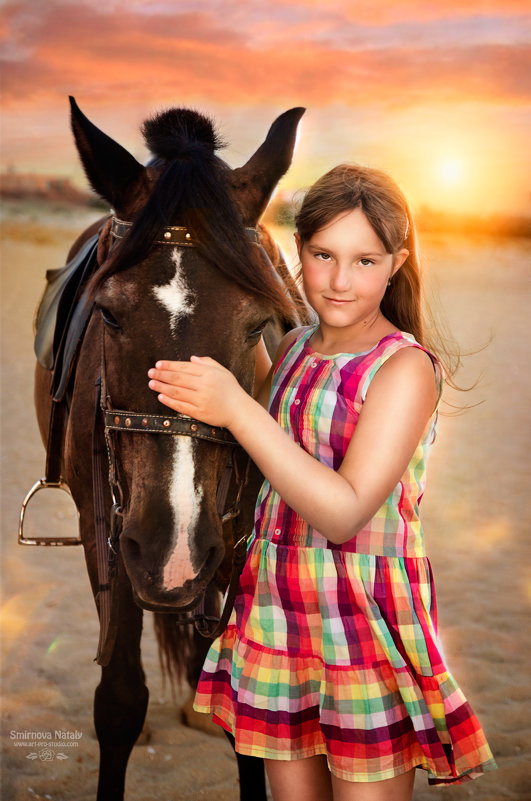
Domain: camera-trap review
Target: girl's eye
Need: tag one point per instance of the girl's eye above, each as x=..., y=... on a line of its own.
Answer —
x=322, y=256
x=366, y=262
x=109, y=319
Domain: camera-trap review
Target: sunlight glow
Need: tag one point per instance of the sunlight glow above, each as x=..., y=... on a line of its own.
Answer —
x=450, y=171
x=19, y=612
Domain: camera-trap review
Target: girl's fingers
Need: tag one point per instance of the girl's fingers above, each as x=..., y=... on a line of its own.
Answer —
x=207, y=360
x=191, y=388
x=176, y=382
x=195, y=364
x=174, y=376
x=172, y=366
x=172, y=391
x=177, y=406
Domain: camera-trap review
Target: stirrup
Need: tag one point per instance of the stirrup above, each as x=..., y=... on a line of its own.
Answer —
x=22, y=540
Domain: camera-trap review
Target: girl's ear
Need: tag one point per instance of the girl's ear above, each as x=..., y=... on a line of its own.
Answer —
x=399, y=259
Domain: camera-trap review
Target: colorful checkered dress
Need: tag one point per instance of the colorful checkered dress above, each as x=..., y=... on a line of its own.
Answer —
x=332, y=649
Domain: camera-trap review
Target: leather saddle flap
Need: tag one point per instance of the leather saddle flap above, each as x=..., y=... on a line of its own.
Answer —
x=56, y=305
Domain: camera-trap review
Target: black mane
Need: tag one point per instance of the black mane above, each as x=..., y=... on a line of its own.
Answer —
x=192, y=191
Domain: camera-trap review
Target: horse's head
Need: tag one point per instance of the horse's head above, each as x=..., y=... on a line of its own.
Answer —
x=211, y=295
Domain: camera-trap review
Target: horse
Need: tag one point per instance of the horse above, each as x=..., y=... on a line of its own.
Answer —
x=183, y=267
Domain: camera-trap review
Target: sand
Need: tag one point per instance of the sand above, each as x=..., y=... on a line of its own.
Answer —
x=476, y=514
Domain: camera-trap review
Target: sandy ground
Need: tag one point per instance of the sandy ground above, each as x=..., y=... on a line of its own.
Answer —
x=476, y=512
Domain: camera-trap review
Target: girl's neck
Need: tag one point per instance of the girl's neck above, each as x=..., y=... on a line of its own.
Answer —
x=329, y=340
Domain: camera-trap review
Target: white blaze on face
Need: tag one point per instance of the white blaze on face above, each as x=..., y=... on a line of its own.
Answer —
x=175, y=296
x=185, y=501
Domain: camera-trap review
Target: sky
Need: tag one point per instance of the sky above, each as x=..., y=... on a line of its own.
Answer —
x=435, y=93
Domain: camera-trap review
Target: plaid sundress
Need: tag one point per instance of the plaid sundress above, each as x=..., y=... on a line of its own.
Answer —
x=332, y=649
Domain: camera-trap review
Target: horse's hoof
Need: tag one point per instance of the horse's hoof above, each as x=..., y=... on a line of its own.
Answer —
x=198, y=720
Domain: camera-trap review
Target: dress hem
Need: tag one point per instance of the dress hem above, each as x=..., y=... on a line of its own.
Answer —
x=264, y=753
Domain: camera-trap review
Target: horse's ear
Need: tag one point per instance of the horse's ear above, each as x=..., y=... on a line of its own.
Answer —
x=110, y=168
x=255, y=181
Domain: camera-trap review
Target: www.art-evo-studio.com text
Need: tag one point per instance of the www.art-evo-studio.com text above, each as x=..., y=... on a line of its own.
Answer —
x=34, y=739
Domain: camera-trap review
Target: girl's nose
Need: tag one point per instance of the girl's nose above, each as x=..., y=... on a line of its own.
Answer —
x=340, y=278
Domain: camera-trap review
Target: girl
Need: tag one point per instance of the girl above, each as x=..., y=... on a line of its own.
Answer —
x=330, y=667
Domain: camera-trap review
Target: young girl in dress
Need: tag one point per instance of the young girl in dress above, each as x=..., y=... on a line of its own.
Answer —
x=330, y=668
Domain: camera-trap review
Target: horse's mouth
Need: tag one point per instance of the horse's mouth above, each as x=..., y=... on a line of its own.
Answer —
x=182, y=599
x=166, y=608
x=149, y=594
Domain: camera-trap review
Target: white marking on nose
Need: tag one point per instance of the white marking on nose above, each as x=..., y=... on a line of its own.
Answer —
x=175, y=296
x=185, y=501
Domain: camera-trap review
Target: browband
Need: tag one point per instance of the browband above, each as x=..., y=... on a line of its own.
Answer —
x=170, y=234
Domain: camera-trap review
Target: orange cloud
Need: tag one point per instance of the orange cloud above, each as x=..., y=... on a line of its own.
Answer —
x=359, y=68
x=192, y=55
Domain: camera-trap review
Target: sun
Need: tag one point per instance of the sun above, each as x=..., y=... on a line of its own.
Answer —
x=450, y=171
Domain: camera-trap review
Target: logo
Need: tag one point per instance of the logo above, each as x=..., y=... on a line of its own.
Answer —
x=46, y=746
x=46, y=756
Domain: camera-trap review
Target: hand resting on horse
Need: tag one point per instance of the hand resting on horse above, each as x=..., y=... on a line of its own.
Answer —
x=339, y=503
x=201, y=388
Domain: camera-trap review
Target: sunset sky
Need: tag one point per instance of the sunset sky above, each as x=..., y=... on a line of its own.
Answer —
x=436, y=93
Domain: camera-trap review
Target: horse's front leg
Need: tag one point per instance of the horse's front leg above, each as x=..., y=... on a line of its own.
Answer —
x=121, y=699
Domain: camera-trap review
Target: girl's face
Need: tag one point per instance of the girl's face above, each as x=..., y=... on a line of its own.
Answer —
x=345, y=270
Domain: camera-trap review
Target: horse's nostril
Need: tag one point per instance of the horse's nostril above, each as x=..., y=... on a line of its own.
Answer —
x=212, y=557
x=131, y=546
x=132, y=553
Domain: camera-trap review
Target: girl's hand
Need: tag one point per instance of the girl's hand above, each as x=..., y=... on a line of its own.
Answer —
x=201, y=388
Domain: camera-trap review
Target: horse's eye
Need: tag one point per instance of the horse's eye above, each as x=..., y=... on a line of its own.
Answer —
x=256, y=332
x=109, y=319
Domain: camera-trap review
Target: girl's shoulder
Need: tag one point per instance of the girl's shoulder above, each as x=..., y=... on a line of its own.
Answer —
x=395, y=342
x=392, y=344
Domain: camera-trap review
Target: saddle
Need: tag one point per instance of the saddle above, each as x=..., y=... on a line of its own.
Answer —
x=62, y=316
x=61, y=321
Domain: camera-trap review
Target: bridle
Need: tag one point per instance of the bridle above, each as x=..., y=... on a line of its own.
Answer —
x=171, y=234
x=174, y=424
x=108, y=527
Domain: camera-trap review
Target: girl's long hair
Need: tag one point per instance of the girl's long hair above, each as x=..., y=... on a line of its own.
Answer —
x=350, y=186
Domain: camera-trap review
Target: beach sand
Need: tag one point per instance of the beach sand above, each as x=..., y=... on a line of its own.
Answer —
x=476, y=518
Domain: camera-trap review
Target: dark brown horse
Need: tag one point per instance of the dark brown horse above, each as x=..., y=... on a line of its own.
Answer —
x=213, y=294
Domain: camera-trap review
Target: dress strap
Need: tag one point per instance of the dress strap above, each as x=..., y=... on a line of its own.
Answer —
x=386, y=349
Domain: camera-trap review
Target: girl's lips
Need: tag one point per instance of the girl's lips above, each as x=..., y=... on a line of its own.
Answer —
x=338, y=300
